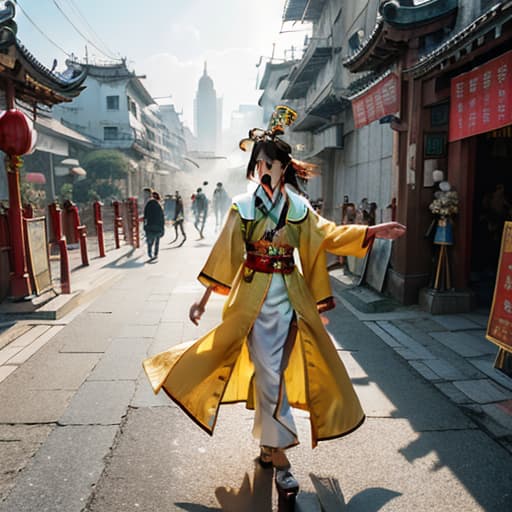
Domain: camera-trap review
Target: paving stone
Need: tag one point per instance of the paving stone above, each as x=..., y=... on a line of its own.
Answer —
x=122, y=360
x=99, y=403
x=20, y=405
x=7, y=353
x=453, y=393
x=137, y=331
x=501, y=412
x=477, y=318
x=383, y=335
x=18, y=443
x=424, y=370
x=483, y=390
x=35, y=346
x=5, y=371
x=146, y=318
x=90, y=332
x=57, y=371
x=463, y=343
x=445, y=370
x=406, y=341
x=456, y=322
x=61, y=476
x=30, y=336
x=486, y=366
x=144, y=396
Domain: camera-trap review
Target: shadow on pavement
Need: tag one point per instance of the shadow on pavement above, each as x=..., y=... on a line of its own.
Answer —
x=257, y=499
x=331, y=496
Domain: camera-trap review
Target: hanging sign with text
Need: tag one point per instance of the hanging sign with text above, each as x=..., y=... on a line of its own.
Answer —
x=499, y=328
x=382, y=99
x=481, y=99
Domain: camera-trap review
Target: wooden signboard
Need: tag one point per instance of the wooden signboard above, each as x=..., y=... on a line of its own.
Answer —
x=37, y=251
x=499, y=327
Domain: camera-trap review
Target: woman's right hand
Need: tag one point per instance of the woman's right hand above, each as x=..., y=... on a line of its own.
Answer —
x=196, y=312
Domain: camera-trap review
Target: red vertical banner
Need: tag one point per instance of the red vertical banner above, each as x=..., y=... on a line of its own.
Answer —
x=380, y=100
x=481, y=99
x=499, y=327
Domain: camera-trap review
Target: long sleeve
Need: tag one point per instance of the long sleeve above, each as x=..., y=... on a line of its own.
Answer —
x=318, y=235
x=226, y=256
x=345, y=240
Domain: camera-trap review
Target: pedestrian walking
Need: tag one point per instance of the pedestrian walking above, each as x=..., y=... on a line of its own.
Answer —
x=200, y=210
x=221, y=203
x=169, y=207
x=178, y=219
x=154, y=223
x=271, y=349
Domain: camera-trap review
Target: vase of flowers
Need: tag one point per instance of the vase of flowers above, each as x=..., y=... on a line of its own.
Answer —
x=444, y=206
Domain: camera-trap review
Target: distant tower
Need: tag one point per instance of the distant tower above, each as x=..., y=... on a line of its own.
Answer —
x=206, y=114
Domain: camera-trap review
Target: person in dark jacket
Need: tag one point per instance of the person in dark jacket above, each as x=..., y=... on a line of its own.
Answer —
x=154, y=223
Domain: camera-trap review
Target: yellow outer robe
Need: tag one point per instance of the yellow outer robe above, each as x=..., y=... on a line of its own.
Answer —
x=216, y=369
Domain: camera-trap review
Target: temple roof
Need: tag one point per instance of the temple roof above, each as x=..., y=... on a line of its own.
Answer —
x=114, y=72
x=32, y=81
x=462, y=43
x=395, y=25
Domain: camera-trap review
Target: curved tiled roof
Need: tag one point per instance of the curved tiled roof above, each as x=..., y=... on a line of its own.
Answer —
x=48, y=77
x=487, y=21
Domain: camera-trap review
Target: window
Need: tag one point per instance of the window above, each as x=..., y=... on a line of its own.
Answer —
x=112, y=102
x=132, y=106
x=110, y=133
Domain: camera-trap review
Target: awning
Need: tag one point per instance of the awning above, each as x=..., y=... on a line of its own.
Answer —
x=78, y=171
x=35, y=177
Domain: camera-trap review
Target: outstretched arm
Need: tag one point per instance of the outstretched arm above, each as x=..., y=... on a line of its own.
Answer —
x=389, y=230
x=197, y=309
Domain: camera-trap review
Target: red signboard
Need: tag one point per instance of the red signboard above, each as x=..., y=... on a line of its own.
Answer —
x=499, y=328
x=481, y=99
x=380, y=100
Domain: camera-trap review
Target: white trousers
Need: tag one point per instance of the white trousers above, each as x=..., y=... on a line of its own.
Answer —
x=272, y=426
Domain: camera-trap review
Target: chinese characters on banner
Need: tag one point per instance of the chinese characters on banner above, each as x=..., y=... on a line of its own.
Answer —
x=379, y=101
x=499, y=328
x=481, y=99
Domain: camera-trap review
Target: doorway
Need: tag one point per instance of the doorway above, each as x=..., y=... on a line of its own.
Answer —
x=492, y=206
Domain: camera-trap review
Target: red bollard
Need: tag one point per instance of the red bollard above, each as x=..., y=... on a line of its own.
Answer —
x=118, y=222
x=98, y=222
x=134, y=235
x=59, y=238
x=82, y=239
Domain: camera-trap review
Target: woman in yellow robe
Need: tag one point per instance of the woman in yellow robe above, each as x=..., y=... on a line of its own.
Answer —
x=252, y=258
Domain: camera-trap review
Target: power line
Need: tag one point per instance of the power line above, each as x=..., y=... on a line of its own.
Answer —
x=82, y=34
x=36, y=26
x=89, y=26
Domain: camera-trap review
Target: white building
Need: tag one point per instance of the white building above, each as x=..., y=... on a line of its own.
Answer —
x=116, y=111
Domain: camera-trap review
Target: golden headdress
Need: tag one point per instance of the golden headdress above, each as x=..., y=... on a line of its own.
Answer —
x=281, y=116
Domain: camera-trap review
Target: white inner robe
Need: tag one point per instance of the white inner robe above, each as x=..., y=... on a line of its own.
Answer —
x=273, y=426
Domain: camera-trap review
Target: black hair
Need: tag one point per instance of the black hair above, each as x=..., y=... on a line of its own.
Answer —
x=276, y=150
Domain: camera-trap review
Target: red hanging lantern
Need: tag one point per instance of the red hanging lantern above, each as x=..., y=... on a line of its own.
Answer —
x=17, y=134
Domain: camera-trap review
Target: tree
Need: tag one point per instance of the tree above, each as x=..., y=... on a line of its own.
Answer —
x=104, y=168
x=106, y=164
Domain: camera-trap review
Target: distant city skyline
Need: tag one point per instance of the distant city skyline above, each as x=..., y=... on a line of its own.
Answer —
x=167, y=43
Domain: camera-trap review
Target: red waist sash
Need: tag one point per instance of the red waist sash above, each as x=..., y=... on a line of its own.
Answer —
x=270, y=264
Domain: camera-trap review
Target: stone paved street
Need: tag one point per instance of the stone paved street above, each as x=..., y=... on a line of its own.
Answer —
x=80, y=428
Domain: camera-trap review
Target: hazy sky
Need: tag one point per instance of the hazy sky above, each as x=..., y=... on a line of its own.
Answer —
x=167, y=40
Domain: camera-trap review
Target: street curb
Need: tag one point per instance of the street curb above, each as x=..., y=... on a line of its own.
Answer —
x=90, y=282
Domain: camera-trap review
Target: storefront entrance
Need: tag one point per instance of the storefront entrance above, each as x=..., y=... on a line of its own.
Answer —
x=492, y=206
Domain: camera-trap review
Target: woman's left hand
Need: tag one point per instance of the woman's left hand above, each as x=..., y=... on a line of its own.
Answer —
x=389, y=230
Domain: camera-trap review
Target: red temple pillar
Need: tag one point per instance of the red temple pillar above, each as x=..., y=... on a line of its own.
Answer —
x=20, y=280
